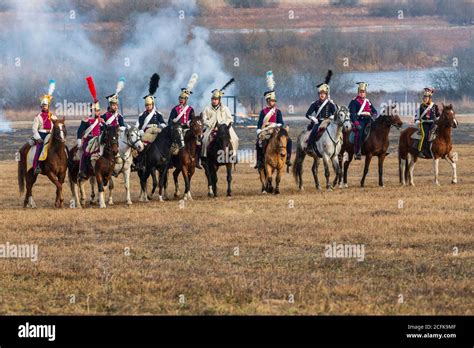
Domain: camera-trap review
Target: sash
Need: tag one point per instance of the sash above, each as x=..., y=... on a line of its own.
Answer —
x=362, y=107
x=111, y=119
x=148, y=119
x=321, y=107
x=267, y=117
x=181, y=114
x=426, y=110
x=90, y=128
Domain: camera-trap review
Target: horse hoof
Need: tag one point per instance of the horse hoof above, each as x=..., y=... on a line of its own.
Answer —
x=129, y=202
x=319, y=188
x=454, y=182
x=176, y=194
x=229, y=194
x=103, y=206
x=210, y=195
x=276, y=192
x=111, y=202
x=161, y=199
x=437, y=183
x=301, y=188
x=330, y=189
x=264, y=192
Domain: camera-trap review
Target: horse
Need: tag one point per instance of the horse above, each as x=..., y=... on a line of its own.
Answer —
x=129, y=139
x=54, y=166
x=100, y=171
x=327, y=147
x=219, y=154
x=440, y=147
x=274, y=159
x=185, y=161
x=157, y=156
x=376, y=144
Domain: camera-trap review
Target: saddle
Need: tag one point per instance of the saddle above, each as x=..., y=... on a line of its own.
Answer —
x=365, y=135
x=151, y=133
x=31, y=152
x=432, y=136
x=322, y=128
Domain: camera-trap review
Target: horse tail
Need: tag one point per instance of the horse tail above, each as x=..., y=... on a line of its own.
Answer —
x=22, y=170
x=298, y=162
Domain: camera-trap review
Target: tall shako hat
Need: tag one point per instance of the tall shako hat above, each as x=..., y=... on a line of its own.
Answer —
x=152, y=87
x=270, y=94
x=324, y=87
x=46, y=99
x=362, y=86
x=113, y=98
x=218, y=93
x=188, y=90
x=95, y=106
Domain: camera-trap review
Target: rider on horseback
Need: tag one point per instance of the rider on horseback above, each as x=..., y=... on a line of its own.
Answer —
x=150, y=119
x=42, y=126
x=112, y=117
x=269, y=117
x=324, y=108
x=425, y=118
x=183, y=113
x=215, y=115
x=362, y=112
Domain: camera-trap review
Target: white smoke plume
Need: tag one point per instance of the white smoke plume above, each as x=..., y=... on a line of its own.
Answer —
x=39, y=48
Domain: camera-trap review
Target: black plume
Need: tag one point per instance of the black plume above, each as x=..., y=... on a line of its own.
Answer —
x=328, y=77
x=154, y=83
x=228, y=83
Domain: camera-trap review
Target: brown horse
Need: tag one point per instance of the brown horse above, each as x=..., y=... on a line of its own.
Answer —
x=440, y=147
x=101, y=171
x=375, y=145
x=185, y=161
x=274, y=153
x=54, y=166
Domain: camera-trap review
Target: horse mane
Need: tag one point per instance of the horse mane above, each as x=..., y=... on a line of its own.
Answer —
x=281, y=133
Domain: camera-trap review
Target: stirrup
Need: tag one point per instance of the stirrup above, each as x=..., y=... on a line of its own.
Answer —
x=38, y=170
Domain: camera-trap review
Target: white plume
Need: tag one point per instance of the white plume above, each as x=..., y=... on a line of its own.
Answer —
x=270, y=80
x=120, y=85
x=52, y=87
x=192, y=82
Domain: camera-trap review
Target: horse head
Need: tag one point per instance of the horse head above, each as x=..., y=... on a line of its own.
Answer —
x=134, y=140
x=282, y=141
x=59, y=130
x=448, y=117
x=196, y=126
x=390, y=117
x=110, y=139
x=223, y=136
x=342, y=118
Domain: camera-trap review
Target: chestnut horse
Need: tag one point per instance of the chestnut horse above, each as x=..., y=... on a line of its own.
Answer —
x=440, y=147
x=274, y=159
x=54, y=166
x=375, y=145
x=185, y=161
x=102, y=170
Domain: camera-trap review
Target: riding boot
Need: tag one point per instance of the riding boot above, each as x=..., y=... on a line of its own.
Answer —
x=259, y=156
x=289, y=146
x=38, y=168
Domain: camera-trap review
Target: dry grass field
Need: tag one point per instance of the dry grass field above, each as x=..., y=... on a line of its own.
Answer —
x=249, y=254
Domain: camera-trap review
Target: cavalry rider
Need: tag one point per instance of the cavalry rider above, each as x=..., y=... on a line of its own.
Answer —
x=425, y=118
x=324, y=108
x=183, y=113
x=270, y=116
x=217, y=114
x=88, y=137
x=112, y=117
x=42, y=125
x=362, y=112
x=150, y=117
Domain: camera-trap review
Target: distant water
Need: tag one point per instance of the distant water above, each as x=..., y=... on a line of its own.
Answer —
x=396, y=81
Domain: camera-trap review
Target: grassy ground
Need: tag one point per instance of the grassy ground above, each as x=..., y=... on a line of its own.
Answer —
x=249, y=254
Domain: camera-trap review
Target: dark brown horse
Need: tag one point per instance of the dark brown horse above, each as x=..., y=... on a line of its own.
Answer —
x=54, y=166
x=185, y=161
x=274, y=160
x=101, y=171
x=376, y=145
x=440, y=147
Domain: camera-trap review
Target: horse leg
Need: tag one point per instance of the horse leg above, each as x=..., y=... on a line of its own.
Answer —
x=92, y=181
x=100, y=185
x=30, y=179
x=176, y=183
x=346, y=167
x=314, y=170
x=61, y=178
x=229, y=180
x=411, y=168
x=143, y=180
x=126, y=180
x=451, y=162
x=269, y=170
x=436, y=170
x=54, y=179
x=326, y=171
x=187, y=183
x=337, y=169
x=381, y=159
x=82, y=190
x=214, y=180
x=402, y=164
x=277, y=182
x=157, y=183
x=341, y=162
x=368, y=158
x=111, y=188
x=263, y=180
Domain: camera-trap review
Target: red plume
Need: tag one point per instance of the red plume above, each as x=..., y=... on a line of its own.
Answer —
x=90, y=84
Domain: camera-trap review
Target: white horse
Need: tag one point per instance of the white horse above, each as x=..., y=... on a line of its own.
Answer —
x=129, y=139
x=327, y=146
